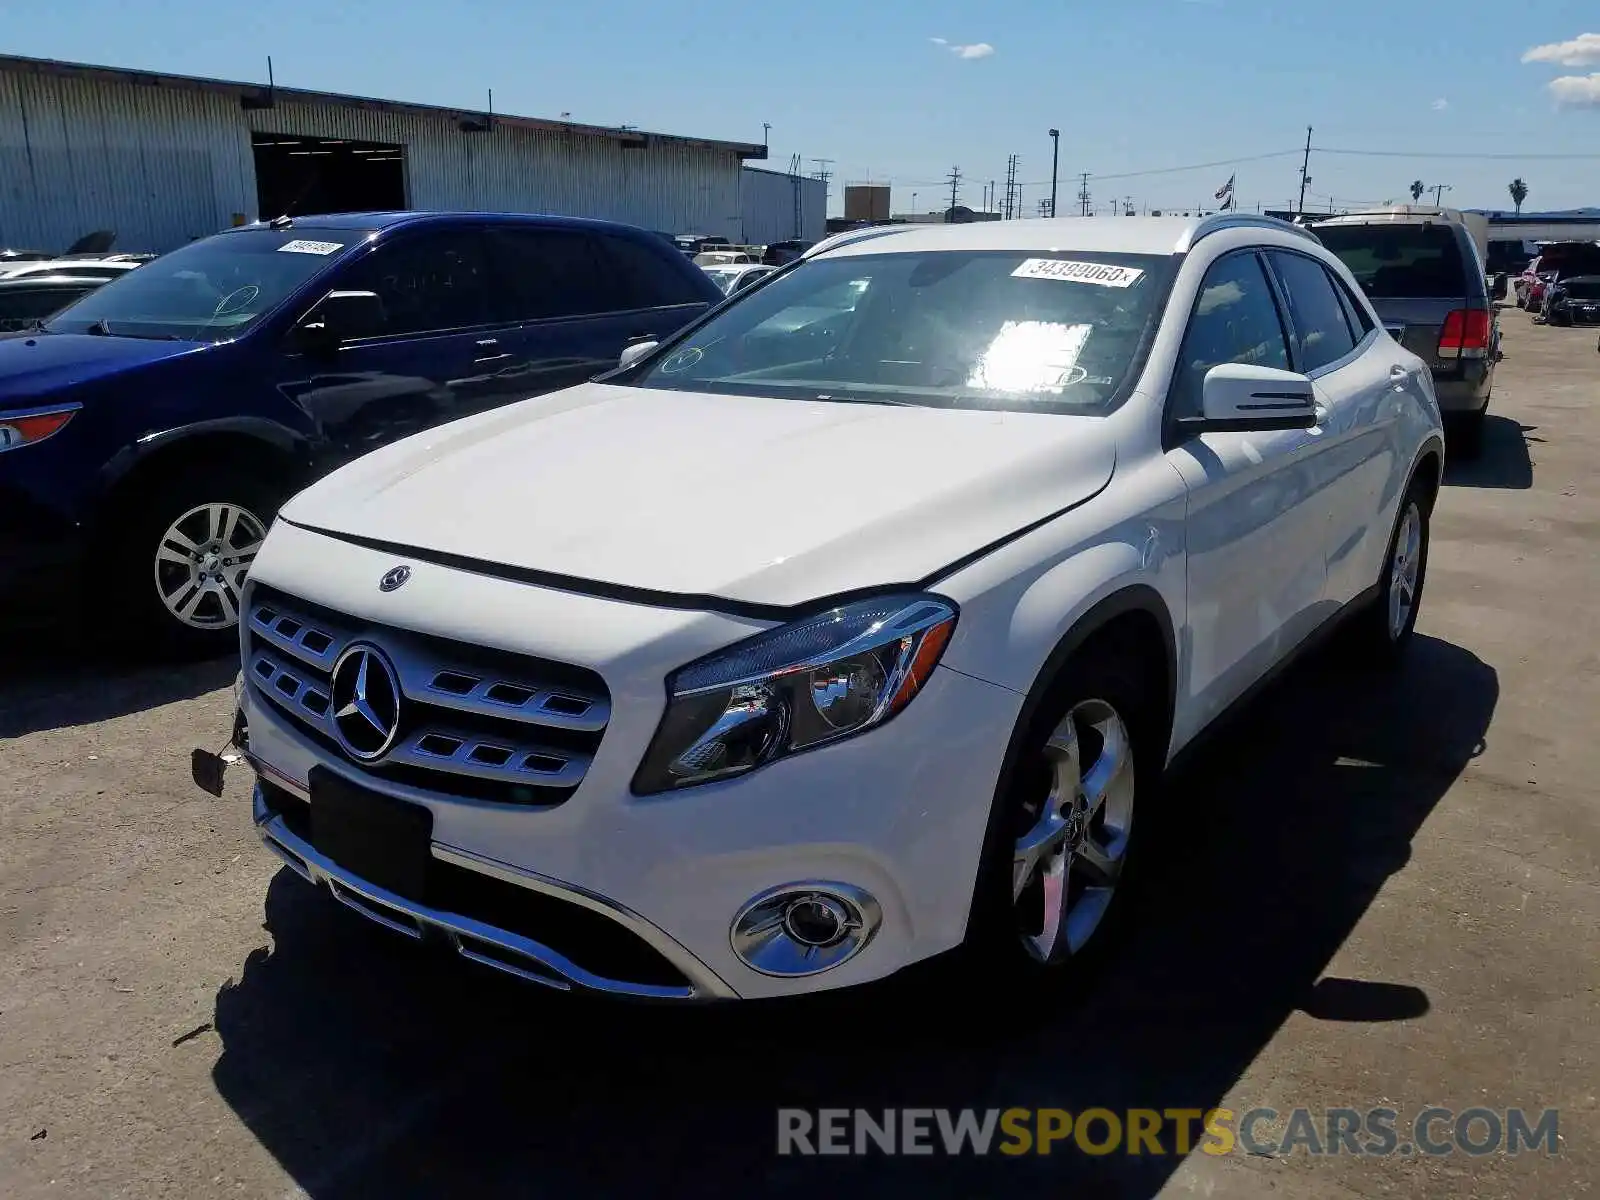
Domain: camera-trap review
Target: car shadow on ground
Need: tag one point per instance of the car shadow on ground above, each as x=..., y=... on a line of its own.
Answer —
x=1502, y=462
x=52, y=677
x=367, y=1070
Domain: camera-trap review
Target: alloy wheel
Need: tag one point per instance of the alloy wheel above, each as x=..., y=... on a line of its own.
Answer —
x=1405, y=571
x=201, y=563
x=1067, y=864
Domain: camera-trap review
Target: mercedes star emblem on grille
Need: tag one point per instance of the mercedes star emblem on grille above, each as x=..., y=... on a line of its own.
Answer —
x=393, y=578
x=366, y=702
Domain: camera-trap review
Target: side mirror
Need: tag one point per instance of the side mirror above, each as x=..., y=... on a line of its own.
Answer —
x=342, y=316
x=634, y=351
x=1501, y=284
x=1247, y=399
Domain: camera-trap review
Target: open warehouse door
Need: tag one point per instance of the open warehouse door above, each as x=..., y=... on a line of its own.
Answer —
x=301, y=176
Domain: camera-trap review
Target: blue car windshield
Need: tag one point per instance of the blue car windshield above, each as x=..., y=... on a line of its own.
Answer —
x=210, y=290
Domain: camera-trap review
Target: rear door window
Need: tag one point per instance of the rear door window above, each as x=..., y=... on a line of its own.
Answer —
x=1321, y=332
x=645, y=278
x=1397, y=261
x=546, y=274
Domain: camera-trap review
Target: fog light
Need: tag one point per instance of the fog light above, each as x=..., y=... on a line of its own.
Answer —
x=804, y=928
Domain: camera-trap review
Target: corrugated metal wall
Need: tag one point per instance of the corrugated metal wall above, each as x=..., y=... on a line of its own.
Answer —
x=768, y=207
x=163, y=166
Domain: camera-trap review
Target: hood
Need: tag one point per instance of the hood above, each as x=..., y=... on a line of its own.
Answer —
x=36, y=364
x=754, y=500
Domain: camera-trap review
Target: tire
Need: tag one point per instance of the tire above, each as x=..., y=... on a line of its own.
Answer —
x=1106, y=707
x=186, y=547
x=1560, y=319
x=1386, y=628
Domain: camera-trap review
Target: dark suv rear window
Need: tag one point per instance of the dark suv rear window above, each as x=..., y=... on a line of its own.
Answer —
x=1392, y=260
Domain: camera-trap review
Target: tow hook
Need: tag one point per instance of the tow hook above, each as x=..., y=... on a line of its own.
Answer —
x=209, y=767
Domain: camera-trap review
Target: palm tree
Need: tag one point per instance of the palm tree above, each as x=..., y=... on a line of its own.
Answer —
x=1519, y=193
x=1417, y=188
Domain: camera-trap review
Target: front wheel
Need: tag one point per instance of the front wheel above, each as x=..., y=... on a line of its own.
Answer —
x=182, y=557
x=1056, y=868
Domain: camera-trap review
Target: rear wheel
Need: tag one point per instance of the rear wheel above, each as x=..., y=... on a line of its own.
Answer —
x=182, y=556
x=1387, y=626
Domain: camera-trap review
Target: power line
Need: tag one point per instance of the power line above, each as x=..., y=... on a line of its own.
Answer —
x=1444, y=154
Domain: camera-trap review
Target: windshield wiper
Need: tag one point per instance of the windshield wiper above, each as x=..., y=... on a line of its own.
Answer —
x=98, y=328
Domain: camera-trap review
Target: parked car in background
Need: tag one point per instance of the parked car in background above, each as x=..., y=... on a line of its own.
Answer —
x=26, y=301
x=1555, y=260
x=1422, y=272
x=1574, y=300
x=724, y=258
x=149, y=432
x=778, y=253
x=21, y=256
x=90, y=266
x=737, y=277
x=692, y=243
x=668, y=745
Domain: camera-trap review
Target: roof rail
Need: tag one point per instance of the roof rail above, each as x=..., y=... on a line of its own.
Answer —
x=850, y=236
x=1220, y=222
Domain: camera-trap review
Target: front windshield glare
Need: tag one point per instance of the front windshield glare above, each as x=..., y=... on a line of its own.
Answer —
x=209, y=290
x=1024, y=330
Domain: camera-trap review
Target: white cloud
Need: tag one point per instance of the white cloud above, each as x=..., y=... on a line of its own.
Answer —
x=1577, y=91
x=975, y=50
x=1581, y=51
x=1440, y=104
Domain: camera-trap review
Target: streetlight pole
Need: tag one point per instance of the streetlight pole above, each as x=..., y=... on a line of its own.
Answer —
x=913, y=204
x=1055, y=158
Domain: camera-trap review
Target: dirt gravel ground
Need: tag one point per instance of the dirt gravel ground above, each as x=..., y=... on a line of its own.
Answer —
x=1370, y=893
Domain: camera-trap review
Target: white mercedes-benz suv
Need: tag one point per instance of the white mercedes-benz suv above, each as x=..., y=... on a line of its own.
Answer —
x=855, y=623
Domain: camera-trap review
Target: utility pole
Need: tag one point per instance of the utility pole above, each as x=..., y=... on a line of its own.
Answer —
x=955, y=188
x=1439, y=189
x=1055, y=159
x=1305, y=174
x=1083, y=195
x=1010, y=209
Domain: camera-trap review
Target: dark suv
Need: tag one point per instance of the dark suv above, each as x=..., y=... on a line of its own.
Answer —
x=1423, y=274
x=149, y=432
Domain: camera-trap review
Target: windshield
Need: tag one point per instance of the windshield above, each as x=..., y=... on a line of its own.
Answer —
x=965, y=329
x=723, y=279
x=209, y=290
x=1392, y=261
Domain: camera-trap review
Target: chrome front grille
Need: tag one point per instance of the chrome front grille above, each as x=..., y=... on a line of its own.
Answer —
x=473, y=722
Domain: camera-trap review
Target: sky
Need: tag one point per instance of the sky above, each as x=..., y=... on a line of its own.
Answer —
x=902, y=93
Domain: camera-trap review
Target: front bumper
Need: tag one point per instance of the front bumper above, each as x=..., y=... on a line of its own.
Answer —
x=477, y=940
x=898, y=813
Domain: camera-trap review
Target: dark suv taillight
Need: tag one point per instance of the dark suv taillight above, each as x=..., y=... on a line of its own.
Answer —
x=1465, y=334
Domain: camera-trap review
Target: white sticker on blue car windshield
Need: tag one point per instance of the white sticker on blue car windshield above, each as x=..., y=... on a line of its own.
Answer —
x=303, y=247
x=1068, y=271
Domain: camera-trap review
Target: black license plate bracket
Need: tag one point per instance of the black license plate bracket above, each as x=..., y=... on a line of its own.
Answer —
x=379, y=839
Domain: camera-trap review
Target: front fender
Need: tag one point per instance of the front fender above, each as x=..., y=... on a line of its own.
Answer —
x=278, y=437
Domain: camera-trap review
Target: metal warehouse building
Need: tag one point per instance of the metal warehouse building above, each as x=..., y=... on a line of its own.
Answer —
x=163, y=159
x=777, y=207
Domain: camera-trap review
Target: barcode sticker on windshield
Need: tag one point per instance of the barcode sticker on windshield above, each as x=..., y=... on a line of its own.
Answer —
x=1067, y=271
x=303, y=247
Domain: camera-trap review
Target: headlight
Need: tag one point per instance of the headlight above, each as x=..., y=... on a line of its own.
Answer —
x=795, y=687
